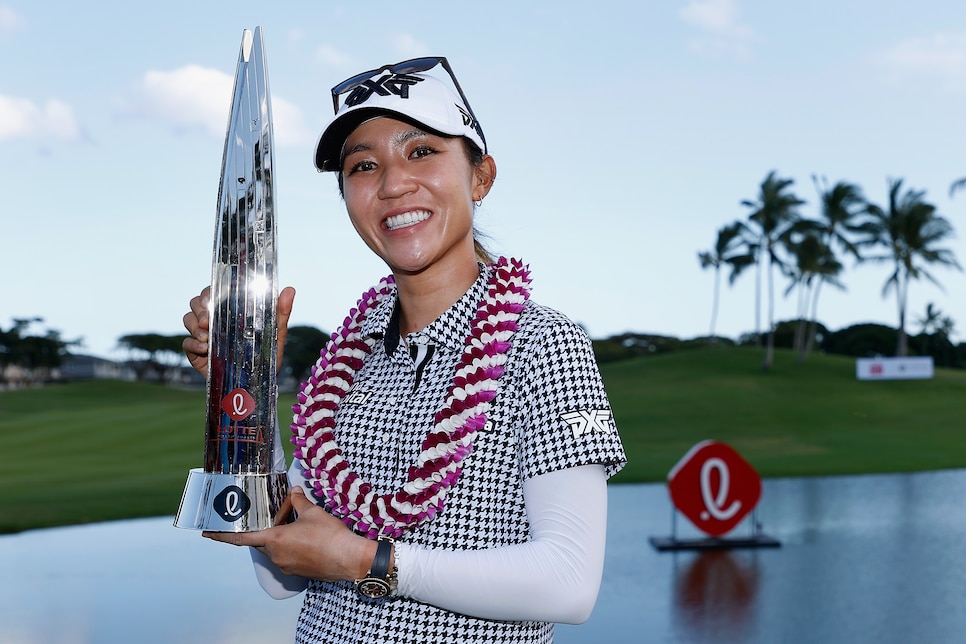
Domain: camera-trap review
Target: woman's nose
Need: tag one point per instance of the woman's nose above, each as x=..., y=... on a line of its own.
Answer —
x=397, y=181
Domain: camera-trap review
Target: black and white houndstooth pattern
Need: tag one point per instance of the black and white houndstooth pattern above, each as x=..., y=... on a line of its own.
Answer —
x=550, y=372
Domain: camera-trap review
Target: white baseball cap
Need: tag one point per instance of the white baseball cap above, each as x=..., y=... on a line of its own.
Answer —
x=414, y=97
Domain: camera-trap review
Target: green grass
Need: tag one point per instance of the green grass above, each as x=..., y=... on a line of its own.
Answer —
x=97, y=451
x=805, y=419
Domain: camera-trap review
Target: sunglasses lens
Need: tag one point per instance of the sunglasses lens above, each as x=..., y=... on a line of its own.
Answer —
x=350, y=83
x=414, y=66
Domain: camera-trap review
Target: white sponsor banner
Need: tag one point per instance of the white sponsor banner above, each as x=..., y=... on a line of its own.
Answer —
x=918, y=368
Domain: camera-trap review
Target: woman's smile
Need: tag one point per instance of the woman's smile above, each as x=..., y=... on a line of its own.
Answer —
x=407, y=219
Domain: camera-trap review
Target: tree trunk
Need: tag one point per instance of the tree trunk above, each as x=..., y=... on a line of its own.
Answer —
x=714, y=304
x=798, y=342
x=770, y=345
x=758, y=301
x=813, y=325
x=902, y=290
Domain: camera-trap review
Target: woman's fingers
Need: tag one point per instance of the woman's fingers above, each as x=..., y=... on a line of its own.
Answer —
x=283, y=311
x=195, y=321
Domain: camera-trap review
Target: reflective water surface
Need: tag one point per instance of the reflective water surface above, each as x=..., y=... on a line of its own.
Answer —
x=863, y=559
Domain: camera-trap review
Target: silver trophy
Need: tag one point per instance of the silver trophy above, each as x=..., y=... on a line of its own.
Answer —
x=238, y=490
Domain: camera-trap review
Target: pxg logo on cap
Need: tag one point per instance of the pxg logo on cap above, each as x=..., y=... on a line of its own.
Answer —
x=231, y=504
x=389, y=84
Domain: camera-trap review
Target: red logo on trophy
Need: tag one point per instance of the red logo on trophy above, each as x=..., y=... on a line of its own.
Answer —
x=714, y=487
x=238, y=404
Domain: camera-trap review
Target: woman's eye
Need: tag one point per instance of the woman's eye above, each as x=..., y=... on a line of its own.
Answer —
x=422, y=151
x=361, y=166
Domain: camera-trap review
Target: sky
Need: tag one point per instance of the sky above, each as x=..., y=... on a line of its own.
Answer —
x=626, y=133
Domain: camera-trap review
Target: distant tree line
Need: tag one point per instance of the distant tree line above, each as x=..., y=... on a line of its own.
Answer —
x=153, y=354
x=31, y=358
x=160, y=354
x=907, y=234
x=859, y=340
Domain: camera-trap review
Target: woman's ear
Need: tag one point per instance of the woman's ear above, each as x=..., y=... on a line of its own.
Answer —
x=483, y=175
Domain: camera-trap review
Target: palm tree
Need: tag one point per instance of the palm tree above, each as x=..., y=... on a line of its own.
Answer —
x=773, y=216
x=945, y=329
x=842, y=206
x=728, y=250
x=804, y=252
x=815, y=263
x=909, y=228
x=929, y=324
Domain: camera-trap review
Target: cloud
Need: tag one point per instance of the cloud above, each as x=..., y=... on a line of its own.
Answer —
x=941, y=55
x=723, y=32
x=295, y=37
x=404, y=45
x=288, y=125
x=198, y=98
x=21, y=118
x=191, y=97
x=408, y=46
x=332, y=57
x=10, y=20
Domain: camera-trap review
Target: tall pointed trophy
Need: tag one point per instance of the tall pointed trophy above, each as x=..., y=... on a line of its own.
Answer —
x=239, y=489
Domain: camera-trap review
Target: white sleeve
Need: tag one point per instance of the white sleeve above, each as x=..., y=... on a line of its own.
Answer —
x=554, y=577
x=278, y=464
x=273, y=581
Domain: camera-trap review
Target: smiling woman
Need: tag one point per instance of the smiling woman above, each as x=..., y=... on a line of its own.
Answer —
x=440, y=491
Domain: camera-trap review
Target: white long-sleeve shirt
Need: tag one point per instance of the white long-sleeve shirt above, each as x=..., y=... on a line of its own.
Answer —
x=554, y=577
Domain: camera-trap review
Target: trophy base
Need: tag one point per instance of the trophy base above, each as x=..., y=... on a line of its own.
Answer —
x=231, y=502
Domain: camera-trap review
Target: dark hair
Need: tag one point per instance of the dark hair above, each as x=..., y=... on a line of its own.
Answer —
x=475, y=156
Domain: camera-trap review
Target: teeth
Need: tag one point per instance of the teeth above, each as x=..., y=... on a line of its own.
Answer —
x=407, y=219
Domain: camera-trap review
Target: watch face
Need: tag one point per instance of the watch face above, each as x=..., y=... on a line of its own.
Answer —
x=373, y=588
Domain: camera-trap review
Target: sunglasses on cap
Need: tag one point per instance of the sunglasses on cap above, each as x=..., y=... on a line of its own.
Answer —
x=412, y=66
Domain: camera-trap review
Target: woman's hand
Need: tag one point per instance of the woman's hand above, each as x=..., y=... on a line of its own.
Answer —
x=316, y=545
x=196, y=322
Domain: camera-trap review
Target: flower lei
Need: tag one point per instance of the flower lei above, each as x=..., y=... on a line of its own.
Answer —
x=468, y=398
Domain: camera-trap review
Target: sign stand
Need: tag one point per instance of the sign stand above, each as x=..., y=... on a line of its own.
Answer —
x=757, y=539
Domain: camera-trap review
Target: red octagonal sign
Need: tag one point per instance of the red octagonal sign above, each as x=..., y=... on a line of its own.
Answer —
x=714, y=487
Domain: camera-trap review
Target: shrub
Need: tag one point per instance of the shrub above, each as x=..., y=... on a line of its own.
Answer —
x=862, y=341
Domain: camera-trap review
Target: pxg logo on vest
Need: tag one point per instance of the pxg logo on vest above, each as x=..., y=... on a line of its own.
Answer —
x=397, y=84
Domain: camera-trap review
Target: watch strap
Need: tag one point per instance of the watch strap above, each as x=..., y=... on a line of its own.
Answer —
x=380, y=563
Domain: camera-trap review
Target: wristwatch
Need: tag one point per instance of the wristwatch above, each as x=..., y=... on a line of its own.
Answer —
x=379, y=582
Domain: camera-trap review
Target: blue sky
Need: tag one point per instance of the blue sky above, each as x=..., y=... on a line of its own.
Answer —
x=625, y=133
